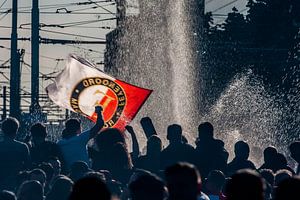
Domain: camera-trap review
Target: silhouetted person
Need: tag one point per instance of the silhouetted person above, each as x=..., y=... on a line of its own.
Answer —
x=101, y=159
x=49, y=171
x=268, y=176
x=281, y=175
x=60, y=190
x=90, y=188
x=176, y=151
x=214, y=184
x=184, y=182
x=78, y=170
x=288, y=189
x=73, y=145
x=38, y=175
x=245, y=185
x=147, y=187
x=270, y=154
x=41, y=149
x=14, y=155
x=151, y=161
x=7, y=195
x=31, y=190
x=241, y=151
x=280, y=162
x=56, y=164
x=210, y=152
x=295, y=154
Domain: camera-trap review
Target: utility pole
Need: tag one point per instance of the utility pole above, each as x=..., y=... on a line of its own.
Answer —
x=14, y=106
x=121, y=12
x=35, y=107
x=4, y=103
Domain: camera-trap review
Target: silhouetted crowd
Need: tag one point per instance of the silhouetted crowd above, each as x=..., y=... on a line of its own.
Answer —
x=96, y=165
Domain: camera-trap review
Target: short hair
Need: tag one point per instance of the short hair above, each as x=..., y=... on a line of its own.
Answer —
x=7, y=195
x=281, y=175
x=72, y=125
x=108, y=137
x=268, y=175
x=295, y=147
x=245, y=184
x=38, y=130
x=32, y=190
x=10, y=126
x=183, y=180
x=242, y=149
x=154, y=144
x=92, y=187
x=174, y=132
x=147, y=186
x=205, y=130
x=40, y=173
x=48, y=169
x=217, y=178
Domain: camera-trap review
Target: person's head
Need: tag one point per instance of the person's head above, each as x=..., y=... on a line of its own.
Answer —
x=205, y=131
x=31, y=190
x=91, y=188
x=7, y=195
x=108, y=137
x=147, y=187
x=73, y=126
x=268, y=175
x=78, y=169
x=269, y=154
x=215, y=181
x=96, y=174
x=241, y=150
x=246, y=185
x=281, y=175
x=288, y=189
x=56, y=164
x=38, y=175
x=60, y=189
x=295, y=151
x=49, y=171
x=38, y=133
x=183, y=181
x=154, y=145
x=174, y=133
x=10, y=127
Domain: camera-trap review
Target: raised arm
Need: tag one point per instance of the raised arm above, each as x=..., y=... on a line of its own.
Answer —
x=135, y=145
x=99, y=123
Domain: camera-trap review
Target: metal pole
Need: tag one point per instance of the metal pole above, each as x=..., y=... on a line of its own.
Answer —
x=4, y=103
x=35, y=107
x=14, y=106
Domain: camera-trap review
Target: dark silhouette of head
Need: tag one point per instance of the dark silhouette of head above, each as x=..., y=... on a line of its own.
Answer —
x=38, y=133
x=246, y=185
x=282, y=175
x=108, y=137
x=38, y=175
x=61, y=189
x=241, y=150
x=280, y=161
x=205, y=131
x=31, y=190
x=269, y=154
x=73, y=126
x=295, y=151
x=7, y=195
x=10, y=127
x=288, y=189
x=91, y=188
x=154, y=145
x=183, y=181
x=174, y=133
x=96, y=174
x=56, y=164
x=215, y=181
x=147, y=187
x=268, y=175
x=78, y=169
x=48, y=169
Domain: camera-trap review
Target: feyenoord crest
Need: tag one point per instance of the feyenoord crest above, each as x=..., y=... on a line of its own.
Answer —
x=94, y=91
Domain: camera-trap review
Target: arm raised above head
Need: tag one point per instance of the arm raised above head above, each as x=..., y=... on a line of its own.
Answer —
x=99, y=123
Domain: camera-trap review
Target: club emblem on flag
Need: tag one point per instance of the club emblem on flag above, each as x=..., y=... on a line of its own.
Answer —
x=80, y=87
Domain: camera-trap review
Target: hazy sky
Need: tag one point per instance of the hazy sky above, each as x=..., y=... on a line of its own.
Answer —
x=48, y=65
